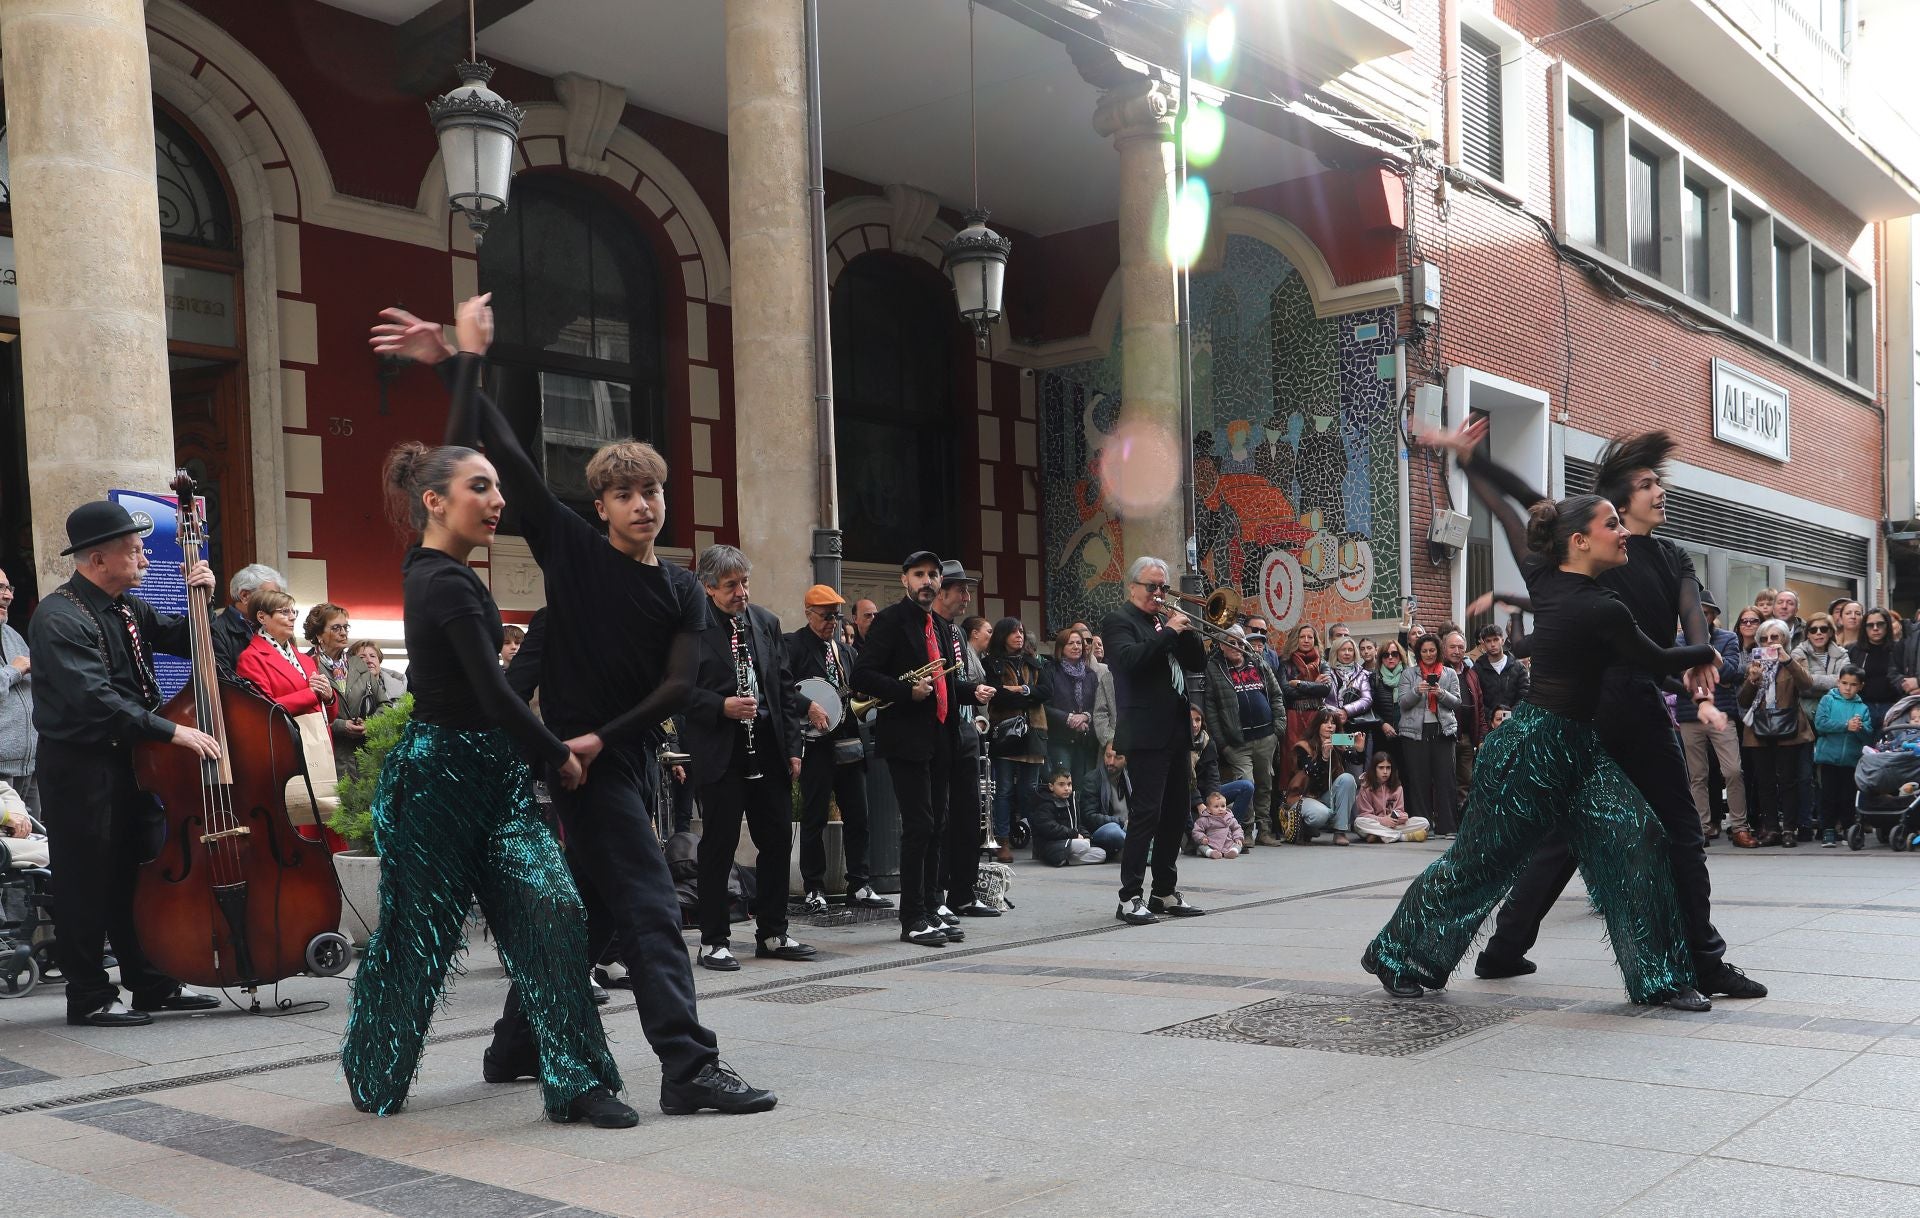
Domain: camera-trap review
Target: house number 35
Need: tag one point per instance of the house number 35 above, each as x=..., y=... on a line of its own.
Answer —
x=339, y=425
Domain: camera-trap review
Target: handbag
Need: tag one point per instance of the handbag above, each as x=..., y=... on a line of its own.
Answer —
x=1780, y=723
x=314, y=797
x=1009, y=736
x=848, y=751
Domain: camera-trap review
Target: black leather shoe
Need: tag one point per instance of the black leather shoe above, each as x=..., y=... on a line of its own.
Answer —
x=1173, y=905
x=113, y=1015
x=601, y=1109
x=1729, y=982
x=710, y=957
x=924, y=934
x=716, y=1087
x=1134, y=912
x=1396, y=987
x=953, y=932
x=974, y=909
x=498, y=1068
x=600, y=996
x=781, y=947
x=182, y=999
x=864, y=897
x=1688, y=999
x=1493, y=968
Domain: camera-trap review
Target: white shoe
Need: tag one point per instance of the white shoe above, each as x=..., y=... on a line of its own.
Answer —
x=816, y=902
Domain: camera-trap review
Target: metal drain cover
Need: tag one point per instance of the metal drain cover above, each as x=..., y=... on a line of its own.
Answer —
x=801, y=995
x=1331, y=1024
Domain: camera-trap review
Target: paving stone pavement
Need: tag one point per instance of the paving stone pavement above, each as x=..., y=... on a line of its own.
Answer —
x=1059, y=1063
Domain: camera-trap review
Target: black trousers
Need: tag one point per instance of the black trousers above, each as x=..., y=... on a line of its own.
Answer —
x=106, y=827
x=1777, y=771
x=822, y=781
x=1156, y=818
x=960, y=848
x=921, y=788
x=1427, y=769
x=614, y=851
x=1836, y=797
x=766, y=803
x=1633, y=725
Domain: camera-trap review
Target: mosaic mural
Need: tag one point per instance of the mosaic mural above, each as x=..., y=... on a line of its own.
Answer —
x=1296, y=452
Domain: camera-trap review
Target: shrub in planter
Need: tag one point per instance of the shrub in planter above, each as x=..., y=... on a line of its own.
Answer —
x=354, y=819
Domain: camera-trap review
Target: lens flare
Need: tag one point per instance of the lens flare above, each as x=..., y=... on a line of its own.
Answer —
x=1204, y=131
x=1139, y=467
x=1222, y=31
x=1187, y=228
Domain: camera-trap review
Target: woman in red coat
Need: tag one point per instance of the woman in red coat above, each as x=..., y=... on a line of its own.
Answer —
x=290, y=678
x=271, y=661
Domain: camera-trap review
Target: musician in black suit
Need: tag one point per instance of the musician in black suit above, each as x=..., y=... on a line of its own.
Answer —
x=917, y=732
x=1150, y=659
x=742, y=727
x=833, y=760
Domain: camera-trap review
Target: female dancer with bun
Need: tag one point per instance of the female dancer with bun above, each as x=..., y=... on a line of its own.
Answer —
x=1545, y=769
x=454, y=813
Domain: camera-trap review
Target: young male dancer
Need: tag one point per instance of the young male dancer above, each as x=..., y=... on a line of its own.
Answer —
x=1660, y=588
x=621, y=655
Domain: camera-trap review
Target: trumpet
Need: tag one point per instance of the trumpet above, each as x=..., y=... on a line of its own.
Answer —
x=932, y=670
x=1219, y=610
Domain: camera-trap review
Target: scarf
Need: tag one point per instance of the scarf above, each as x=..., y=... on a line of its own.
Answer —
x=1079, y=687
x=1390, y=675
x=287, y=653
x=1433, y=689
x=1769, y=688
x=1348, y=681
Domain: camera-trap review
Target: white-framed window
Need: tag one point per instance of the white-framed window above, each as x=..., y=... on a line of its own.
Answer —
x=1646, y=206
x=1492, y=91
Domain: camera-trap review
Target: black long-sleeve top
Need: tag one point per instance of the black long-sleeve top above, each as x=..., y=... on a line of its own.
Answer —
x=1580, y=628
x=86, y=687
x=622, y=643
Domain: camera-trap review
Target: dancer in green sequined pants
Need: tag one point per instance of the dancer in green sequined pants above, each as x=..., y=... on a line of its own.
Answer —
x=1538, y=772
x=454, y=818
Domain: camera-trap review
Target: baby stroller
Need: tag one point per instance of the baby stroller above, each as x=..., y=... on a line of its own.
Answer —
x=26, y=923
x=1888, y=783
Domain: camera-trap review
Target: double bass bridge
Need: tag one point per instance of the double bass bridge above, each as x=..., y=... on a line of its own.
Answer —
x=223, y=834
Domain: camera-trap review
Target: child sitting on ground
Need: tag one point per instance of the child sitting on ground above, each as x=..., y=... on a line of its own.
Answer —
x=1057, y=840
x=1216, y=831
x=1380, y=807
x=1843, y=725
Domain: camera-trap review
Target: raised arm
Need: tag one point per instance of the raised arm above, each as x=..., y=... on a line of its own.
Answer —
x=1617, y=627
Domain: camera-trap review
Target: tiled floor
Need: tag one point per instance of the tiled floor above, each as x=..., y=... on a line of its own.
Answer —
x=1019, y=1077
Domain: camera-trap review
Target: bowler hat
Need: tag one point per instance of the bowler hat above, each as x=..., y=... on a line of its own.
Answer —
x=92, y=523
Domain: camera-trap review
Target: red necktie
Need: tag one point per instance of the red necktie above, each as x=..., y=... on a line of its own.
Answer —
x=940, y=685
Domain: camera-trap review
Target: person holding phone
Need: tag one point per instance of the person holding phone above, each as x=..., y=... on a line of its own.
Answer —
x=1429, y=727
x=1878, y=656
x=1323, y=784
x=1778, y=732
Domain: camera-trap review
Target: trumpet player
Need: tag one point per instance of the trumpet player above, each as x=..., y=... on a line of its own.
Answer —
x=907, y=660
x=833, y=761
x=1150, y=656
x=742, y=728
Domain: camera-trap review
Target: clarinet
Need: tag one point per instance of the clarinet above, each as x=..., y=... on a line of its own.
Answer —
x=743, y=687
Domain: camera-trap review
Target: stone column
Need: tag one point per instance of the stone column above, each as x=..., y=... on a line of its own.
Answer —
x=86, y=239
x=776, y=436
x=1139, y=115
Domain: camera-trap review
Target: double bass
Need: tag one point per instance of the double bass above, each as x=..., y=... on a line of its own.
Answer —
x=236, y=897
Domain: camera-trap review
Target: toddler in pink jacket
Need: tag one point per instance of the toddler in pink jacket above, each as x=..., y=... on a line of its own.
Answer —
x=1216, y=832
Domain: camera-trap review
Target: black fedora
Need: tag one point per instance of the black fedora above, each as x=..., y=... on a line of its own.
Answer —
x=92, y=523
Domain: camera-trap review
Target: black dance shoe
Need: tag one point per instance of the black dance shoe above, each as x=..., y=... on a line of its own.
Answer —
x=865, y=897
x=1396, y=987
x=974, y=909
x=1726, y=981
x=1688, y=999
x=1134, y=912
x=1173, y=905
x=499, y=1068
x=924, y=934
x=716, y=1087
x=601, y=1109
x=782, y=947
x=182, y=999
x=719, y=958
x=1493, y=967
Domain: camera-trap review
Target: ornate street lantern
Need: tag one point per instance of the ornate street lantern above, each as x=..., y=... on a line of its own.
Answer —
x=477, y=129
x=976, y=258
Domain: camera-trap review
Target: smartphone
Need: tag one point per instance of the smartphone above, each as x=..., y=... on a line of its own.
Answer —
x=1433, y=678
x=1345, y=740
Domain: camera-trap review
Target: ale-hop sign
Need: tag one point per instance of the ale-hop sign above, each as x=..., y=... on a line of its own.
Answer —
x=1750, y=412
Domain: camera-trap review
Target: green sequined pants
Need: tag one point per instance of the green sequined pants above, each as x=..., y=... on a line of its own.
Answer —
x=454, y=819
x=1539, y=772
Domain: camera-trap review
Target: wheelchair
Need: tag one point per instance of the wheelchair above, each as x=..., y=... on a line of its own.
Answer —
x=26, y=926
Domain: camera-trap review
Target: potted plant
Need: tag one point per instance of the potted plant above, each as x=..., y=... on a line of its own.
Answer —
x=359, y=866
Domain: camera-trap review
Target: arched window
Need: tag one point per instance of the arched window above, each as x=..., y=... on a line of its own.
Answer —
x=894, y=335
x=576, y=306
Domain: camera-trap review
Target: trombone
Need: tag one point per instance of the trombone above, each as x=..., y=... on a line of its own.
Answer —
x=1219, y=610
x=932, y=670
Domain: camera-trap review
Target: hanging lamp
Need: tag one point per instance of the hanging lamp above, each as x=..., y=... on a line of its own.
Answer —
x=975, y=259
x=477, y=129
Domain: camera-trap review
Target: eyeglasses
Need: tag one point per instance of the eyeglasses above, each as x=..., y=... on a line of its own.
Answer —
x=1819, y=630
x=1154, y=587
x=1876, y=625
x=1749, y=621
x=288, y=612
x=339, y=627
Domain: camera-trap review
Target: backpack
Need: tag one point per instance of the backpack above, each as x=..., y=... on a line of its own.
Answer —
x=992, y=884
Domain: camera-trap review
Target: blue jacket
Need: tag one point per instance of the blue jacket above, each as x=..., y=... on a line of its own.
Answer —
x=1834, y=744
x=1732, y=672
